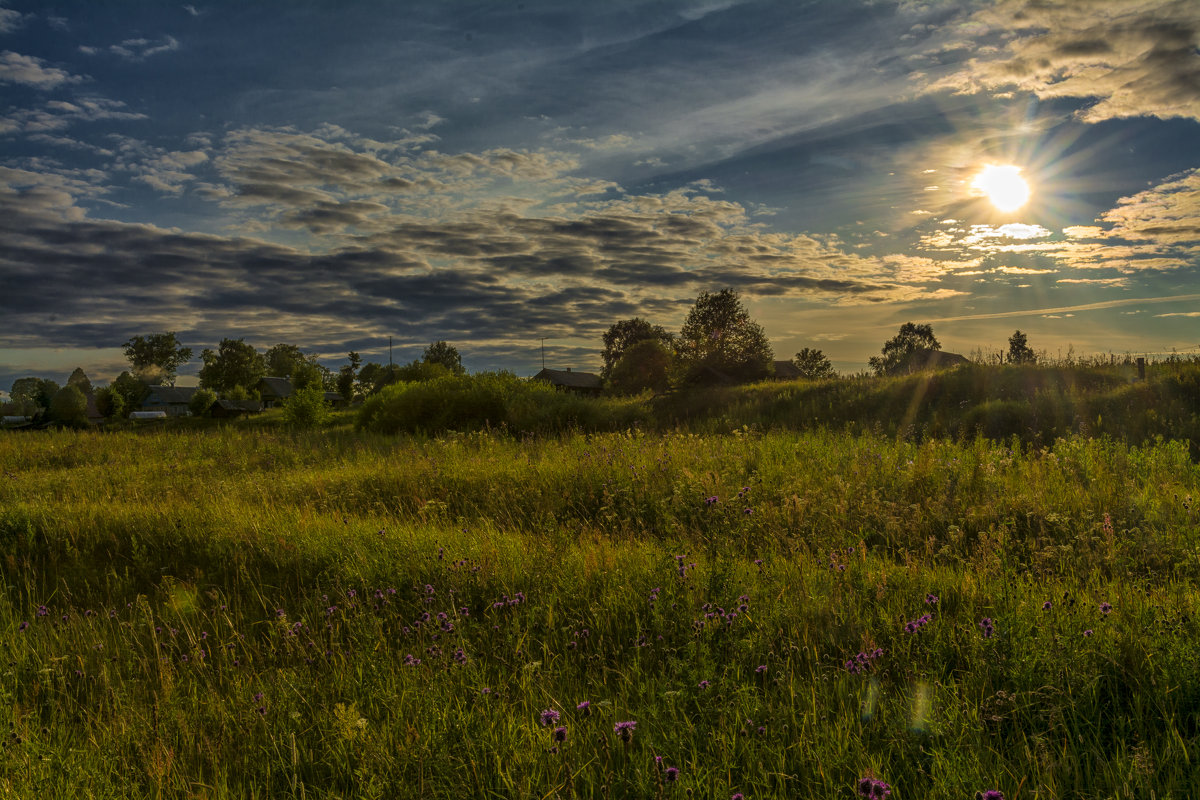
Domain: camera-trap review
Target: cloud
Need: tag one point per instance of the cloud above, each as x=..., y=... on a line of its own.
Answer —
x=135, y=49
x=57, y=115
x=1180, y=314
x=33, y=71
x=191, y=9
x=9, y=20
x=1134, y=57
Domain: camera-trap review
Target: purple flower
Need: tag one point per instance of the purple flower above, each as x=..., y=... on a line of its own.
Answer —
x=485, y=690
x=671, y=774
x=625, y=729
x=737, y=796
x=1088, y=632
x=42, y=611
x=549, y=716
x=985, y=625
x=560, y=734
x=761, y=669
x=584, y=707
x=703, y=684
x=990, y=794
x=710, y=500
x=23, y=626
x=931, y=599
x=1106, y=608
x=873, y=789
x=1046, y=606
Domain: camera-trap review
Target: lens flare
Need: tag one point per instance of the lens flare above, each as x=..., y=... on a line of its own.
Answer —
x=1003, y=185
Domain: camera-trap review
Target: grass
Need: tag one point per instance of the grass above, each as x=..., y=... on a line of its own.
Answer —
x=240, y=611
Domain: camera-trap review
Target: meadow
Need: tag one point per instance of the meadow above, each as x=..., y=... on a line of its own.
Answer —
x=253, y=611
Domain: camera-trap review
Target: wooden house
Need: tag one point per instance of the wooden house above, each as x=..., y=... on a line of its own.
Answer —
x=170, y=399
x=580, y=382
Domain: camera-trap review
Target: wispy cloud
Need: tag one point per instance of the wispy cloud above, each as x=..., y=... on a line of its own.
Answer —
x=135, y=49
x=10, y=20
x=1035, y=312
x=33, y=71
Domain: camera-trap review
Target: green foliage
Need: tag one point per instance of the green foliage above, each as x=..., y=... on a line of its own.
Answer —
x=233, y=364
x=486, y=400
x=645, y=365
x=306, y=408
x=155, y=359
x=110, y=402
x=813, y=365
x=901, y=348
x=202, y=400
x=1019, y=352
x=719, y=335
x=241, y=393
x=624, y=335
x=69, y=407
x=79, y=379
x=131, y=390
x=445, y=355
x=33, y=392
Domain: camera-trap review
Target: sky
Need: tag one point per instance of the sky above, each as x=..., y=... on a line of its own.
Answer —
x=511, y=175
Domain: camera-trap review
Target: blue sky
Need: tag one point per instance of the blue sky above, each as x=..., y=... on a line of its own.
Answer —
x=329, y=175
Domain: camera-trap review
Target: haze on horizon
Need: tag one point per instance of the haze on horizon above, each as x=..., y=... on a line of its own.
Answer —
x=491, y=174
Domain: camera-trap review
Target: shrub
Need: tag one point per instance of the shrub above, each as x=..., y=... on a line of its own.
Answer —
x=306, y=408
x=69, y=406
x=201, y=402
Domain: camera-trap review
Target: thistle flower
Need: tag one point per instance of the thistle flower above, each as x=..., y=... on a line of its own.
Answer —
x=671, y=774
x=1046, y=606
x=1106, y=608
x=584, y=707
x=560, y=734
x=990, y=794
x=761, y=669
x=549, y=716
x=625, y=729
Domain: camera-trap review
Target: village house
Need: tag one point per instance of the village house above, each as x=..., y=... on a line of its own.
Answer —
x=580, y=382
x=173, y=400
x=273, y=391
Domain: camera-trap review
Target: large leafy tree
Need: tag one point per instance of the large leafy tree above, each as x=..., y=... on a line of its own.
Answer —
x=445, y=354
x=1019, y=351
x=623, y=335
x=69, y=406
x=813, y=364
x=645, y=365
x=131, y=390
x=283, y=360
x=155, y=359
x=347, y=374
x=898, y=351
x=718, y=334
x=234, y=363
x=79, y=379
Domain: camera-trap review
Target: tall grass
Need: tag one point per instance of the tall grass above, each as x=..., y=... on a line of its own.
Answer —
x=239, y=612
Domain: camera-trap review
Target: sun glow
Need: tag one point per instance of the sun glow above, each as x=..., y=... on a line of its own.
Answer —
x=1003, y=185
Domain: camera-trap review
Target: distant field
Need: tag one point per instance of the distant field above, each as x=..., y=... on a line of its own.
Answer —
x=249, y=612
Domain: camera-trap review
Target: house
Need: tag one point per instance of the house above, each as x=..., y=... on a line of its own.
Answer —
x=170, y=399
x=227, y=409
x=786, y=371
x=335, y=400
x=273, y=391
x=581, y=382
x=94, y=416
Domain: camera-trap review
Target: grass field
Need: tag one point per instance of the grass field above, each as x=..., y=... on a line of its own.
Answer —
x=249, y=612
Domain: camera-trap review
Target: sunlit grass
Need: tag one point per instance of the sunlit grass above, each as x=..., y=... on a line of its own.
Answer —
x=244, y=611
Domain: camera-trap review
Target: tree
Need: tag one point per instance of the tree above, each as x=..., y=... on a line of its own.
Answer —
x=1019, y=352
x=645, y=365
x=68, y=406
x=156, y=358
x=131, y=390
x=233, y=364
x=898, y=350
x=445, y=354
x=813, y=364
x=80, y=380
x=623, y=335
x=371, y=378
x=347, y=374
x=282, y=360
x=202, y=400
x=33, y=392
x=110, y=403
x=718, y=334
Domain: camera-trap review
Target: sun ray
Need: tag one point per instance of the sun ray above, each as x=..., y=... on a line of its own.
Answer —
x=1003, y=185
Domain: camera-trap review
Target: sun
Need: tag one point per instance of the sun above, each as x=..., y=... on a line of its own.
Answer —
x=1003, y=185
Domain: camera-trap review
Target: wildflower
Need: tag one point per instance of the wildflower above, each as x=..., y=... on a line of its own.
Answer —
x=23, y=626
x=42, y=611
x=761, y=669
x=990, y=794
x=625, y=729
x=1046, y=606
x=1088, y=632
x=703, y=684
x=931, y=599
x=710, y=500
x=485, y=690
x=584, y=707
x=549, y=716
x=671, y=774
x=737, y=796
x=985, y=625
x=1106, y=608
x=258, y=696
x=560, y=734
x=873, y=789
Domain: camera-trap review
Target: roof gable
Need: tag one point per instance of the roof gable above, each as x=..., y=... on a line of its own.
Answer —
x=574, y=380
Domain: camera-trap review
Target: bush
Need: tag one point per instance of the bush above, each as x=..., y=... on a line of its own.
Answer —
x=201, y=402
x=69, y=406
x=490, y=400
x=306, y=408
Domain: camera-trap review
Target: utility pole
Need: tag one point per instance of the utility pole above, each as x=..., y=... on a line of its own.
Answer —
x=543, y=341
x=389, y=355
